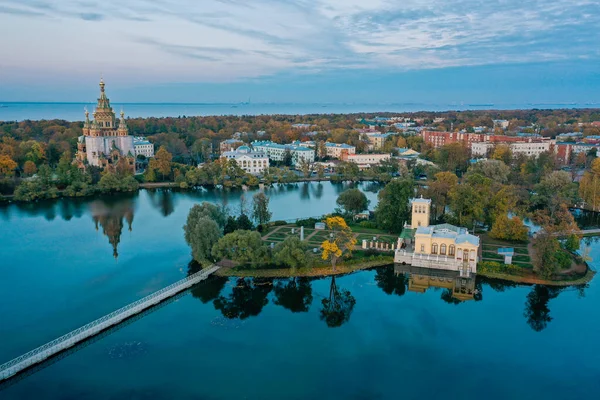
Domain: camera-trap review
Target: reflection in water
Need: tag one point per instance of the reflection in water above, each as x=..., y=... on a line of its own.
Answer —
x=317, y=190
x=294, y=294
x=209, y=289
x=162, y=200
x=110, y=215
x=586, y=219
x=304, y=191
x=338, y=306
x=536, y=307
x=391, y=282
x=458, y=289
x=247, y=298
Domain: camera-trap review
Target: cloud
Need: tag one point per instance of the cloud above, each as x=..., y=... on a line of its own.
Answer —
x=234, y=39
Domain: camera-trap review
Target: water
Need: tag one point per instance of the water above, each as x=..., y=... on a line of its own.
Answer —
x=59, y=272
x=74, y=111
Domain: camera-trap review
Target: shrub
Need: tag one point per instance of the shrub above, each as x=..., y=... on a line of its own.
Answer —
x=308, y=222
x=500, y=268
x=368, y=224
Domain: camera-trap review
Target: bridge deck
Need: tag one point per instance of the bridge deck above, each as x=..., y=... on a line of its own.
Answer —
x=64, y=342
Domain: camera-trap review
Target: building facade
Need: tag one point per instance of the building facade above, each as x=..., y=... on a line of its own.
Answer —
x=531, y=148
x=277, y=152
x=104, y=142
x=365, y=160
x=442, y=246
x=143, y=147
x=229, y=145
x=252, y=162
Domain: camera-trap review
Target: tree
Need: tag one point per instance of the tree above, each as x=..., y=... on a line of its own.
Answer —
x=291, y=252
x=554, y=189
x=341, y=240
x=244, y=223
x=201, y=235
x=466, y=204
x=393, y=209
x=7, y=166
x=260, y=208
x=320, y=171
x=163, y=160
x=287, y=158
x=203, y=229
x=353, y=201
x=321, y=149
x=572, y=243
x=589, y=187
x=29, y=168
x=495, y=170
x=338, y=307
x=207, y=210
x=230, y=225
x=511, y=229
x=453, y=157
x=305, y=167
x=244, y=247
x=503, y=153
x=438, y=191
x=294, y=294
x=546, y=248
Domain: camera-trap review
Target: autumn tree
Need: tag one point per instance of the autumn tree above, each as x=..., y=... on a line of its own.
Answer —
x=439, y=191
x=589, y=187
x=502, y=152
x=29, y=168
x=511, y=229
x=340, y=242
x=7, y=166
x=162, y=162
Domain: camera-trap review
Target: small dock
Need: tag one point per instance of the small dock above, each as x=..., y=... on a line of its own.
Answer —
x=87, y=331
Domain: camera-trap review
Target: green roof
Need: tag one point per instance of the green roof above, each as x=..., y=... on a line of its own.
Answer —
x=407, y=233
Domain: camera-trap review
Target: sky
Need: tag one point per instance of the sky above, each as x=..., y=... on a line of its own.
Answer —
x=321, y=51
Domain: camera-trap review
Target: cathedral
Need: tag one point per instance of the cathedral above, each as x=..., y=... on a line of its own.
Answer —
x=104, y=143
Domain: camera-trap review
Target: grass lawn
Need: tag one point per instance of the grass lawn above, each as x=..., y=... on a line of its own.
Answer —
x=487, y=240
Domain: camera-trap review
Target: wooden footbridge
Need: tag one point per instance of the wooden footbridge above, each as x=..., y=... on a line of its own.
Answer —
x=73, y=338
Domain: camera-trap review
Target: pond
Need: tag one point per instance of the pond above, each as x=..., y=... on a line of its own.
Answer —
x=375, y=334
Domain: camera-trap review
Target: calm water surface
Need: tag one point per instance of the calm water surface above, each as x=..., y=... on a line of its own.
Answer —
x=68, y=262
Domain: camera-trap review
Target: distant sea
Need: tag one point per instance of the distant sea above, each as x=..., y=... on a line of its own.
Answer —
x=75, y=111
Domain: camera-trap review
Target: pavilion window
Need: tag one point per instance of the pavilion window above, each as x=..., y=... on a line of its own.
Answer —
x=451, y=250
x=434, y=249
x=443, y=249
x=422, y=248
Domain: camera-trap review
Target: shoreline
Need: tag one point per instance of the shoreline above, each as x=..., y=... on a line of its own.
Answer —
x=322, y=271
x=531, y=280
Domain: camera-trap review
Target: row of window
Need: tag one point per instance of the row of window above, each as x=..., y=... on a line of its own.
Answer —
x=434, y=249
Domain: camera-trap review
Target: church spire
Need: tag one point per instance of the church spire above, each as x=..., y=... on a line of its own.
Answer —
x=87, y=118
x=123, y=129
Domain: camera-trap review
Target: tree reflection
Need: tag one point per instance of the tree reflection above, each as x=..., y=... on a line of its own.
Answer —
x=338, y=307
x=162, y=200
x=390, y=282
x=318, y=190
x=537, y=311
x=247, y=298
x=304, y=191
x=294, y=294
x=210, y=288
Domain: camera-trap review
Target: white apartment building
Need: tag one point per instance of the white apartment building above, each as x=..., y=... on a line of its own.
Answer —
x=530, y=149
x=366, y=160
x=142, y=146
x=333, y=150
x=252, y=162
x=276, y=152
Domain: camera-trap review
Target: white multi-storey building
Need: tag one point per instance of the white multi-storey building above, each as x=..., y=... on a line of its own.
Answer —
x=276, y=152
x=366, y=160
x=333, y=150
x=530, y=148
x=143, y=147
x=252, y=162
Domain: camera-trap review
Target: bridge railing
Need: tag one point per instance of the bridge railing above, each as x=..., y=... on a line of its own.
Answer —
x=5, y=368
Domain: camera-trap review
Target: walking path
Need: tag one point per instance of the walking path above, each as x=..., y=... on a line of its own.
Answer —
x=87, y=331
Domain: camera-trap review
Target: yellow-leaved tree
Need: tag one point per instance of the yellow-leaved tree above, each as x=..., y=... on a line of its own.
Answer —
x=341, y=240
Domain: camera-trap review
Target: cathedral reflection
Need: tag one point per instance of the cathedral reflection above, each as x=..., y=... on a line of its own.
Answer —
x=112, y=216
x=457, y=288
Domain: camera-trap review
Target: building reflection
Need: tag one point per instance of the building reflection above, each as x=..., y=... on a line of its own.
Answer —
x=112, y=216
x=457, y=288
